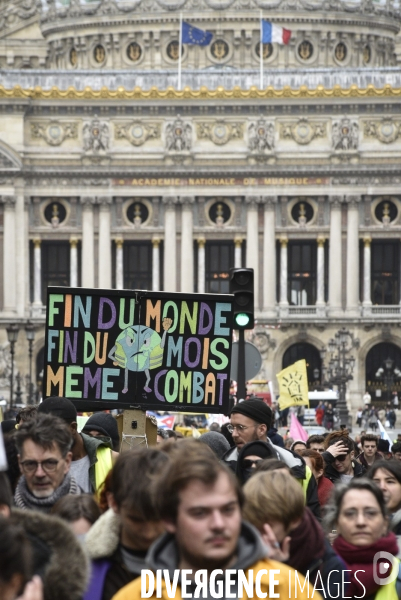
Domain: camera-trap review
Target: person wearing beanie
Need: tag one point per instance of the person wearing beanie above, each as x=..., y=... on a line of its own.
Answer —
x=216, y=441
x=92, y=458
x=249, y=456
x=103, y=424
x=250, y=421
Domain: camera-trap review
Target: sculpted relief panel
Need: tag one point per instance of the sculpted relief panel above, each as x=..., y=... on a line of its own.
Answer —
x=137, y=132
x=220, y=132
x=304, y=131
x=54, y=133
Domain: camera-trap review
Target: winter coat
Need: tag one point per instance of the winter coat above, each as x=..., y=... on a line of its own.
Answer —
x=108, y=571
x=251, y=553
x=275, y=437
x=59, y=558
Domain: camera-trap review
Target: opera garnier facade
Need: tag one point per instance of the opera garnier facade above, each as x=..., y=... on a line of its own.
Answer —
x=132, y=158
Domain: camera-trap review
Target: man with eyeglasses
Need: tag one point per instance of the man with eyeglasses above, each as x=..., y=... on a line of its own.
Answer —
x=250, y=421
x=44, y=455
x=339, y=458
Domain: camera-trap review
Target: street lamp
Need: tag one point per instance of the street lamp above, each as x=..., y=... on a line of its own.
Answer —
x=340, y=368
x=12, y=335
x=30, y=336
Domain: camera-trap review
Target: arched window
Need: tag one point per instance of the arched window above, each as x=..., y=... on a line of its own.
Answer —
x=383, y=372
x=313, y=361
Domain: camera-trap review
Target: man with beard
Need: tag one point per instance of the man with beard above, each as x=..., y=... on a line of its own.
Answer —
x=44, y=455
x=200, y=503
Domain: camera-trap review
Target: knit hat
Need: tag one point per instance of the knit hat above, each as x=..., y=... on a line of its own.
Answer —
x=295, y=442
x=105, y=424
x=256, y=410
x=383, y=445
x=216, y=441
x=59, y=407
x=258, y=448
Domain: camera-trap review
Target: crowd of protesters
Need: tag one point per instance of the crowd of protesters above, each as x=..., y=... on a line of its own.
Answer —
x=79, y=521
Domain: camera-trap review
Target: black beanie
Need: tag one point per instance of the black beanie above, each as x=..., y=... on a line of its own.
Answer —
x=59, y=407
x=105, y=424
x=258, y=448
x=256, y=410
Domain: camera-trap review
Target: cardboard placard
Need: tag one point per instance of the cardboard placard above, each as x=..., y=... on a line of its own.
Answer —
x=138, y=349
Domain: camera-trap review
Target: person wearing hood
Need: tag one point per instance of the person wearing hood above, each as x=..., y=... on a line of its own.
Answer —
x=200, y=503
x=119, y=540
x=250, y=455
x=274, y=504
x=387, y=475
x=250, y=421
x=103, y=426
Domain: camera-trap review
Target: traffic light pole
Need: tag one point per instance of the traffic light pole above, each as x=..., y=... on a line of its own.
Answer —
x=241, y=384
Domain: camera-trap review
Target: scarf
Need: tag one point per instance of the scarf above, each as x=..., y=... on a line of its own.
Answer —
x=361, y=558
x=27, y=501
x=308, y=534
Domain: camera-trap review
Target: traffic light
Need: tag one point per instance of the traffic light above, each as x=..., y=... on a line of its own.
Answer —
x=241, y=285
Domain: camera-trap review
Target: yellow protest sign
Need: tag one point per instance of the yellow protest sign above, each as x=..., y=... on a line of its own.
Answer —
x=293, y=385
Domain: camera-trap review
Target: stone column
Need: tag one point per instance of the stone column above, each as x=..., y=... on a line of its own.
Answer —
x=320, y=303
x=283, y=276
x=187, y=248
x=88, y=243
x=335, y=257
x=104, y=242
x=269, y=257
x=353, y=256
x=73, y=262
x=21, y=274
x=170, y=245
x=367, y=300
x=201, y=266
x=119, y=264
x=238, y=253
x=156, y=265
x=37, y=273
x=9, y=263
x=252, y=242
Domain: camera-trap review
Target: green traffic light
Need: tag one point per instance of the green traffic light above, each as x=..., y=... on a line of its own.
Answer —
x=242, y=319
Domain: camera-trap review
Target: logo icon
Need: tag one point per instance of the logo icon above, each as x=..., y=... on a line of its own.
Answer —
x=381, y=569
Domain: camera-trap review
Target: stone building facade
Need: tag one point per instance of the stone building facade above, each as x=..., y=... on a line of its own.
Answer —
x=111, y=176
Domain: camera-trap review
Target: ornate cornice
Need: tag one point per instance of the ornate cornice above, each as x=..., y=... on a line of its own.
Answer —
x=236, y=93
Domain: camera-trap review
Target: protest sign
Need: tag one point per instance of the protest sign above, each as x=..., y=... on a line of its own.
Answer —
x=130, y=349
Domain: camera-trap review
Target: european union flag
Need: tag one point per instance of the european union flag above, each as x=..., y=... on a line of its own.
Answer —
x=195, y=36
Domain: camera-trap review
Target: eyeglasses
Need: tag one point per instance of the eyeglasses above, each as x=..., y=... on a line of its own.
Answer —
x=238, y=428
x=248, y=464
x=342, y=457
x=31, y=466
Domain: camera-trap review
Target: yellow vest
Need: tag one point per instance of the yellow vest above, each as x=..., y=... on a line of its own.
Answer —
x=305, y=482
x=102, y=466
x=388, y=591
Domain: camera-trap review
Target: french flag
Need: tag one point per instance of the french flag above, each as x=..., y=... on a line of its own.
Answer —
x=274, y=33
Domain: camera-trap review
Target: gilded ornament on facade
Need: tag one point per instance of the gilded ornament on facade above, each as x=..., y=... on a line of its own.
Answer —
x=345, y=134
x=367, y=55
x=136, y=133
x=220, y=132
x=261, y=136
x=55, y=214
x=55, y=132
x=304, y=131
x=95, y=135
x=173, y=50
x=267, y=50
x=99, y=54
x=73, y=57
x=219, y=49
x=386, y=130
x=305, y=50
x=340, y=52
x=134, y=51
x=178, y=136
x=386, y=211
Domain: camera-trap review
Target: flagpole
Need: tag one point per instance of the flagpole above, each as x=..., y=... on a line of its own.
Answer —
x=261, y=52
x=179, y=53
